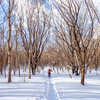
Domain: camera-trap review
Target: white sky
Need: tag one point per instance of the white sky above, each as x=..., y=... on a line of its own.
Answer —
x=97, y=3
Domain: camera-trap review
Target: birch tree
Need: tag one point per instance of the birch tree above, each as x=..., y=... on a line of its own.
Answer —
x=8, y=11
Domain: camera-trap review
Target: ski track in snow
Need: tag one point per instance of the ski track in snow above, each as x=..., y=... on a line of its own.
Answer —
x=51, y=92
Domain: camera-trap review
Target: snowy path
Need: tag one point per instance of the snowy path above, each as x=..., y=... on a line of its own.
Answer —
x=50, y=89
x=52, y=92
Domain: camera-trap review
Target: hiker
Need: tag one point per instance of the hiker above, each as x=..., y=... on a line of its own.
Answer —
x=49, y=72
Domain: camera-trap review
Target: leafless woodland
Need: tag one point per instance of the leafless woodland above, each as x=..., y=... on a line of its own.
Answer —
x=33, y=36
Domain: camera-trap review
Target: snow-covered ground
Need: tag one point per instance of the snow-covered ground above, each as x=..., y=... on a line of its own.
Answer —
x=58, y=87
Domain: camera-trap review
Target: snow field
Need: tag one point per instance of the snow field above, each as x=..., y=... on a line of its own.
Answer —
x=58, y=87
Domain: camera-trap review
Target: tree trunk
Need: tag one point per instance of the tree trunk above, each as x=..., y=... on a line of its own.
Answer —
x=14, y=70
x=18, y=64
x=38, y=70
x=73, y=69
x=76, y=71
x=34, y=70
x=25, y=64
x=9, y=64
x=73, y=65
x=57, y=70
x=19, y=70
x=5, y=70
x=9, y=50
x=1, y=67
x=16, y=67
x=29, y=65
x=5, y=57
x=82, y=75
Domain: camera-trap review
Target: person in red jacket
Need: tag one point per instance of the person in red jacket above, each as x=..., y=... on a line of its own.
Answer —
x=49, y=72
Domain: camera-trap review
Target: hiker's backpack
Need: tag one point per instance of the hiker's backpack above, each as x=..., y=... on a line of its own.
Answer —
x=49, y=71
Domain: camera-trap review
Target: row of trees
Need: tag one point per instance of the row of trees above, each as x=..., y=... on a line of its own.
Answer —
x=25, y=34
x=75, y=31
x=25, y=31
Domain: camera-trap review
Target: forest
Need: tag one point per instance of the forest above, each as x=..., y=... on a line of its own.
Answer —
x=56, y=33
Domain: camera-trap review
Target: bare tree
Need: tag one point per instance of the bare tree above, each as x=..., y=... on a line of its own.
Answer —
x=95, y=10
x=35, y=35
x=78, y=25
x=9, y=16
